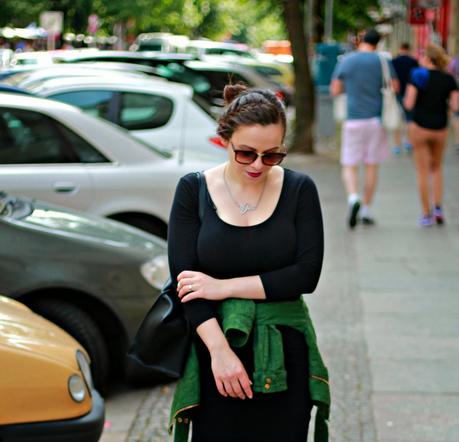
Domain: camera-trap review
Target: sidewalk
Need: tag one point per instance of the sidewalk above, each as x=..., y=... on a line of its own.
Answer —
x=386, y=312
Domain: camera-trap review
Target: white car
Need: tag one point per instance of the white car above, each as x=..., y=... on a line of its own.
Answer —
x=158, y=112
x=56, y=153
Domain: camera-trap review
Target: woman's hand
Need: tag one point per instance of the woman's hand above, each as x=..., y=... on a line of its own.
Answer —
x=229, y=374
x=192, y=285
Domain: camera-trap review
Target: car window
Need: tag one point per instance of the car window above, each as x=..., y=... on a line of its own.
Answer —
x=28, y=137
x=144, y=111
x=85, y=151
x=95, y=103
x=218, y=80
x=267, y=70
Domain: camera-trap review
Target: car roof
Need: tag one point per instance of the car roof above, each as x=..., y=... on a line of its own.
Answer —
x=117, y=81
x=130, y=54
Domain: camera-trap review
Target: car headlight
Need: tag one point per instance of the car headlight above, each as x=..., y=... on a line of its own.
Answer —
x=85, y=369
x=156, y=271
x=77, y=389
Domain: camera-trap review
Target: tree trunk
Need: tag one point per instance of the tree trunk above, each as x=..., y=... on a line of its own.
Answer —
x=303, y=140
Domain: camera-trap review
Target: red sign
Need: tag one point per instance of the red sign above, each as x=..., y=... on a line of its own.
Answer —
x=416, y=13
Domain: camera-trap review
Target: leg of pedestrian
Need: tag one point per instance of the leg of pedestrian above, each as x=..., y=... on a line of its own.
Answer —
x=350, y=176
x=438, y=149
x=371, y=179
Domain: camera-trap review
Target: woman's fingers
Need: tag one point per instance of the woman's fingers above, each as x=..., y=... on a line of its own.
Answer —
x=246, y=386
x=221, y=388
x=237, y=388
x=229, y=389
x=190, y=296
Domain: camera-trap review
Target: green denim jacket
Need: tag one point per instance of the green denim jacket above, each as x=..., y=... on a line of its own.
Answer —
x=238, y=317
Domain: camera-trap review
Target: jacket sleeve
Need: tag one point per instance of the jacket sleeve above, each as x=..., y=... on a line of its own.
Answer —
x=303, y=275
x=183, y=231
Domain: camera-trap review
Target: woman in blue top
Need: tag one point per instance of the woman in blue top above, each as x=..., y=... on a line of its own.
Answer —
x=429, y=93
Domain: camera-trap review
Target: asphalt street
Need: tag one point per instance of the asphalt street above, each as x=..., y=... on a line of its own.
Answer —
x=386, y=312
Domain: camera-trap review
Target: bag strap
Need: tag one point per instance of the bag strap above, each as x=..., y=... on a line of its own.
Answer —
x=202, y=194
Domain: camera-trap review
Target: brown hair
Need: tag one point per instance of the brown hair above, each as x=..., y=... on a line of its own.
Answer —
x=246, y=107
x=437, y=55
x=405, y=46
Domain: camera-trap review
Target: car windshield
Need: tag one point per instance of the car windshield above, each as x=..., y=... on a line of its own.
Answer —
x=11, y=207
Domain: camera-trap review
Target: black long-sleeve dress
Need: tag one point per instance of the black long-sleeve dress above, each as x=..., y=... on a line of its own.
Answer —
x=286, y=251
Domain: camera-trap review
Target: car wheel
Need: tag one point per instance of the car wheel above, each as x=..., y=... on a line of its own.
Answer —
x=145, y=223
x=82, y=327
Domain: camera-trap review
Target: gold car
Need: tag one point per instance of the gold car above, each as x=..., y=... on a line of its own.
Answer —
x=46, y=390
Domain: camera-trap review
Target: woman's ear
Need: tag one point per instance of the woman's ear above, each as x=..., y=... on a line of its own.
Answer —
x=224, y=142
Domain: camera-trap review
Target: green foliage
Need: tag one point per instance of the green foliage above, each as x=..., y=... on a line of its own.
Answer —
x=250, y=21
x=350, y=17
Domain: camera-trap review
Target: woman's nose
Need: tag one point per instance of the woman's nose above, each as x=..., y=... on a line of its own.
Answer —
x=258, y=163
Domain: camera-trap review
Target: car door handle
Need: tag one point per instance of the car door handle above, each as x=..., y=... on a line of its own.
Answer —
x=65, y=187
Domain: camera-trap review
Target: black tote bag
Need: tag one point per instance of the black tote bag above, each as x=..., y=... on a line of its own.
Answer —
x=163, y=339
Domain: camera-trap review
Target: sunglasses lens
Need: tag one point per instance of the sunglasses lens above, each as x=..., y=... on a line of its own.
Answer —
x=245, y=157
x=272, y=159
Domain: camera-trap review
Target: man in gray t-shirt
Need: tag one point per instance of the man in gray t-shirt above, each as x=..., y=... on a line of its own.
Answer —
x=364, y=140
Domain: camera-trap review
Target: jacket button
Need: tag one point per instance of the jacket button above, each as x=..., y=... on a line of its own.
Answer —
x=267, y=386
x=268, y=380
x=179, y=420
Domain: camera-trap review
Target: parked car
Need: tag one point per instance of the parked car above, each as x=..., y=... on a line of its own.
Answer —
x=45, y=383
x=158, y=112
x=206, y=78
x=28, y=76
x=54, y=152
x=148, y=58
x=93, y=277
x=220, y=73
x=202, y=48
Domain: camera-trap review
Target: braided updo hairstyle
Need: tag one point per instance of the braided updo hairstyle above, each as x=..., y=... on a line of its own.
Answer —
x=247, y=107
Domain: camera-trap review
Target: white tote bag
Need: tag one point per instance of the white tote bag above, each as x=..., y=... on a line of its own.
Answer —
x=391, y=115
x=340, y=107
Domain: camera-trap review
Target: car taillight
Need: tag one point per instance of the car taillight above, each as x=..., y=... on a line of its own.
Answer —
x=216, y=141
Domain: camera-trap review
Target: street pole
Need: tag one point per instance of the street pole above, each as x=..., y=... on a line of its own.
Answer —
x=328, y=37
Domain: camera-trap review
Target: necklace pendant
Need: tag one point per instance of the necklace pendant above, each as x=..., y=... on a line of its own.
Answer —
x=244, y=208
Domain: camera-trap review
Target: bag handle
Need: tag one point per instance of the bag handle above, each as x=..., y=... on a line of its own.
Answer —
x=202, y=194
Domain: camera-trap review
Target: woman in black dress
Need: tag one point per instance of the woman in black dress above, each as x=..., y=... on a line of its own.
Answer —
x=260, y=239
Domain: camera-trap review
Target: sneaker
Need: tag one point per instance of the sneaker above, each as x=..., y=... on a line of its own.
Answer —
x=438, y=215
x=367, y=221
x=396, y=150
x=425, y=221
x=353, y=212
x=408, y=147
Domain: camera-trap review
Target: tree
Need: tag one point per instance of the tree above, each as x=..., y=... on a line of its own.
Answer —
x=303, y=139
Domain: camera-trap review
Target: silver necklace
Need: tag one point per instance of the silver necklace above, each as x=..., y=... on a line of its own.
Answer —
x=246, y=207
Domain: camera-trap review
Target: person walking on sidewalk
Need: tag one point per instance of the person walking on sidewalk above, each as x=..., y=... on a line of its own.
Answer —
x=429, y=93
x=453, y=69
x=254, y=370
x=403, y=63
x=364, y=139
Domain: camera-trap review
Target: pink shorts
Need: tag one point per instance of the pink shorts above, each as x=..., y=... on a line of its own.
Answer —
x=363, y=141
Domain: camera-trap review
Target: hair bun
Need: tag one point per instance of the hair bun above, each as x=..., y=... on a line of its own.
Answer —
x=231, y=91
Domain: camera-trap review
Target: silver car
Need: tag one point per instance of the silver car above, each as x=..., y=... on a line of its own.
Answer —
x=93, y=277
x=54, y=152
